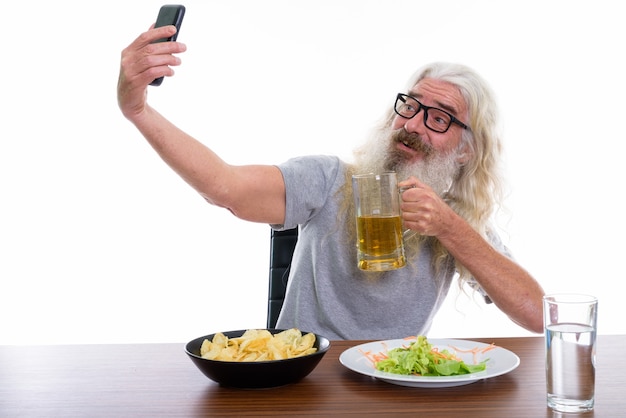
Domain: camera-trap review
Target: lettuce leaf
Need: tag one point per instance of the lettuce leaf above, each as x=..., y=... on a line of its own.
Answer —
x=419, y=358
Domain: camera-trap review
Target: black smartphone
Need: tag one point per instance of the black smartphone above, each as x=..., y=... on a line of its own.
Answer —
x=169, y=14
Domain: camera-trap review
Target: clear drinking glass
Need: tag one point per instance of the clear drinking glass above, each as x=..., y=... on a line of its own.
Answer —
x=570, y=323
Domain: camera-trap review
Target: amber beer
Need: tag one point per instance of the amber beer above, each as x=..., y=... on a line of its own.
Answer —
x=380, y=242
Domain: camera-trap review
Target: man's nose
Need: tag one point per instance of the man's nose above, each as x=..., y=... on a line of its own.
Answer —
x=416, y=123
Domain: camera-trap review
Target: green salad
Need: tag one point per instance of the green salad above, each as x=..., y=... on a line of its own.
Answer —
x=420, y=358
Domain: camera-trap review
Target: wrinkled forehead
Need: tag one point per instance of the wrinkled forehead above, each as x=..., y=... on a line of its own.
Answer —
x=441, y=94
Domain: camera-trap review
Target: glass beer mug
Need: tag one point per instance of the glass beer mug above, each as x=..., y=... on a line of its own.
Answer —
x=380, y=236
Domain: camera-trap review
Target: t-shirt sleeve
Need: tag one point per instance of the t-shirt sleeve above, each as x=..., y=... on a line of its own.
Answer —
x=308, y=184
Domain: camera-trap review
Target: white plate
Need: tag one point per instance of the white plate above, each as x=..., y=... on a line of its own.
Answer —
x=499, y=362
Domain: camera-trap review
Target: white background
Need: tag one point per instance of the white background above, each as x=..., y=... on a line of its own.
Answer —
x=101, y=242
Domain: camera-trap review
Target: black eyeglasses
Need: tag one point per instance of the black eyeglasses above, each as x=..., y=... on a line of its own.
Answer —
x=435, y=119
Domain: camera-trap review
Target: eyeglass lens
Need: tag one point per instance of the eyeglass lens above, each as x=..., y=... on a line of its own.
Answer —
x=434, y=119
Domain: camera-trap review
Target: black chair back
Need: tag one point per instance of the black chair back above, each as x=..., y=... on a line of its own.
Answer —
x=282, y=244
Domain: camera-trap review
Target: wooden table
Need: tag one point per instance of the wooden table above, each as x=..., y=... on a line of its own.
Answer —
x=158, y=380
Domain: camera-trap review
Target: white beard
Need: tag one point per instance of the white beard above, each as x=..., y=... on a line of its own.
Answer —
x=437, y=170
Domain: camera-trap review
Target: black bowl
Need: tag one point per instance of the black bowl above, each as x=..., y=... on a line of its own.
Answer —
x=256, y=374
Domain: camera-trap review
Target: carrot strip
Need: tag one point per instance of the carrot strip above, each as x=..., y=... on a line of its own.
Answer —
x=374, y=357
x=475, y=351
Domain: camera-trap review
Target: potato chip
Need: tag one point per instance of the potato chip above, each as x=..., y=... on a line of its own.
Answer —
x=258, y=345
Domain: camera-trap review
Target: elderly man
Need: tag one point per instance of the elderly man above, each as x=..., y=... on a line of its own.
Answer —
x=439, y=137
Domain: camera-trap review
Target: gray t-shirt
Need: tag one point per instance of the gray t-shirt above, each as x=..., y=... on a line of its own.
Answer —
x=327, y=293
